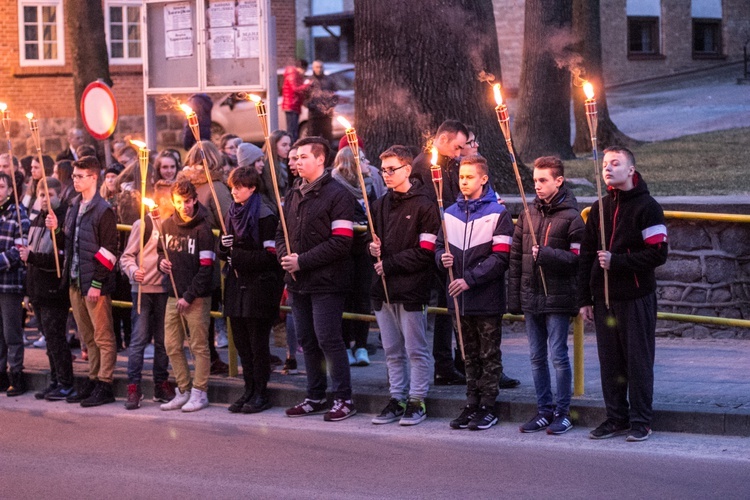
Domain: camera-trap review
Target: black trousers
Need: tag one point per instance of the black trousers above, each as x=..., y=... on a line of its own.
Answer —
x=55, y=321
x=625, y=337
x=251, y=337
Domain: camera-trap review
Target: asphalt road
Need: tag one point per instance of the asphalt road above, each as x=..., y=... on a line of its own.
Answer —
x=56, y=450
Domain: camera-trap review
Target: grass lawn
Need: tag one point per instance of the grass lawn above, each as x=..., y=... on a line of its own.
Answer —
x=714, y=163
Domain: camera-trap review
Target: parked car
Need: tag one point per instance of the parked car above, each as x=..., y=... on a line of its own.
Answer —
x=237, y=116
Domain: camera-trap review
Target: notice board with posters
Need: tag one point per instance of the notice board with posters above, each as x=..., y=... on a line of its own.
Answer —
x=206, y=46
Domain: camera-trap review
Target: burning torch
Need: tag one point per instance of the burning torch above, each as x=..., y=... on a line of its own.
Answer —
x=34, y=125
x=260, y=108
x=351, y=138
x=593, y=121
x=437, y=181
x=503, y=118
x=143, y=157
x=6, y=127
x=192, y=119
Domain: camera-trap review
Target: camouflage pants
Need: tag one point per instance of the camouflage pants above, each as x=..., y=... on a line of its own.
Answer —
x=484, y=368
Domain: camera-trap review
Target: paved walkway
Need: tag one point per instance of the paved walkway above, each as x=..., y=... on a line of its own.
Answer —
x=701, y=386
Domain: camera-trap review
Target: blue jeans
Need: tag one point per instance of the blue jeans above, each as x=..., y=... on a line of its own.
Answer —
x=150, y=321
x=404, y=338
x=317, y=318
x=553, y=329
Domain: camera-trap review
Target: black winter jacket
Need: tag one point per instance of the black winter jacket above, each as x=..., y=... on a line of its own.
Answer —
x=449, y=167
x=407, y=225
x=254, y=281
x=191, y=251
x=97, y=244
x=637, y=238
x=479, y=235
x=559, y=228
x=321, y=232
x=42, y=284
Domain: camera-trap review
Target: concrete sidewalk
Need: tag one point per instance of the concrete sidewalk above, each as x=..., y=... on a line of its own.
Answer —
x=701, y=386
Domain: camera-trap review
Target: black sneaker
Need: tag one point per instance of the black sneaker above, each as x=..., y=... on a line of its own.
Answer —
x=560, y=425
x=62, y=392
x=4, y=381
x=639, y=432
x=610, y=428
x=393, y=411
x=290, y=367
x=540, y=422
x=163, y=392
x=308, y=407
x=17, y=384
x=218, y=367
x=83, y=393
x=483, y=419
x=236, y=407
x=43, y=393
x=342, y=409
x=506, y=382
x=135, y=396
x=462, y=421
x=257, y=404
x=450, y=378
x=415, y=412
x=102, y=395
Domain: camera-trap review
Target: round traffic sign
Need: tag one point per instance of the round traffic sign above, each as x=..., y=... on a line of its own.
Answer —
x=99, y=110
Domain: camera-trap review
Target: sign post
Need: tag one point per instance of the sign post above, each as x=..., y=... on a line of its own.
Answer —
x=99, y=113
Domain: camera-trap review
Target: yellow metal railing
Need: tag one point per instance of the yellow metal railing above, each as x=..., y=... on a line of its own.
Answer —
x=578, y=338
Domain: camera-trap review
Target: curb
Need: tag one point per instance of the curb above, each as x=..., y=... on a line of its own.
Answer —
x=697, y=419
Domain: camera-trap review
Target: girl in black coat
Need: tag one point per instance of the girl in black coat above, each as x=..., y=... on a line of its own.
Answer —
x=253, y=286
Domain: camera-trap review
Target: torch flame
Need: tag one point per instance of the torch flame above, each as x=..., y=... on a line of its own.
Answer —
x=434, y=156
x=30, y=116
x=186, y=109
x=254, y=98
x=343, y=121
x=151, y=204
x=3, y=106
x=141, y=145
x=498, y=94
x=588, y=89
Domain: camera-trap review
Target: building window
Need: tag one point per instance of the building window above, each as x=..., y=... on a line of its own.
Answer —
x=123, y=25
x=707, y=37
x=643, y=36
x=41, y=33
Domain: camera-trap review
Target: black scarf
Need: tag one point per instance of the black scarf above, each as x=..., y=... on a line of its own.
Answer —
x=243, y=219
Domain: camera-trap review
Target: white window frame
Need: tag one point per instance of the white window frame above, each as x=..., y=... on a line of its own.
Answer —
x=107, y=26
x=60, y=28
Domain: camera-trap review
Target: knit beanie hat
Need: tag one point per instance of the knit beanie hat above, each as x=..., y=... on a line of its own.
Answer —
x=247, y=154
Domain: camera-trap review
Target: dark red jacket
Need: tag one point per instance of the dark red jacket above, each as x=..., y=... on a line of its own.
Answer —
x=293, y=90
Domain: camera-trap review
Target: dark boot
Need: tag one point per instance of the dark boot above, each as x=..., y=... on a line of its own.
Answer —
x=102, y=395
x=17, y=384
x=83, y=392
x=236, y=407
x=4, y=381
x=257, y=404
x=43, y=393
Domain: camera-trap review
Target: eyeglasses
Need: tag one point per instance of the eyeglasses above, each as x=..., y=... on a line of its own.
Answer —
x=391, y=171
x=78, y=177
x=472, y=143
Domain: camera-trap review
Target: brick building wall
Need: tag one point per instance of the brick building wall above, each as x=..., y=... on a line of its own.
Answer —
x=48, y=90
x=509, y=16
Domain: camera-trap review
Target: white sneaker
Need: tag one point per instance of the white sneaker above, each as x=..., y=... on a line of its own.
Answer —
x=222, y=340
x=179, y=400
x=361, y=357
x=198, y=401
x=41, y=343
x=148, y=352
x=352, y=359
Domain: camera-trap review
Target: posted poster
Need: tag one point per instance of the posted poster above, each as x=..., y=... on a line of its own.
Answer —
x=221, y=43
x=178, y=28
x=221, y=13
x=247, y=12
x=248, y=42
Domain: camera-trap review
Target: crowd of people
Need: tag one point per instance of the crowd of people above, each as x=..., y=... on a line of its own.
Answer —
x=414, y=255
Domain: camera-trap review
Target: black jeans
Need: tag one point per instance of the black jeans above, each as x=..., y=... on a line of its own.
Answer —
x=317, y=318
x=251, y=340
x=358, y=301
x=55, y=321
x=625, y=338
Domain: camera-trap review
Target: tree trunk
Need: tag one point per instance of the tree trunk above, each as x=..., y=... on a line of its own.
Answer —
x=587, y=30
x=88, y=46
x=418, y=63
x=543, y=118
